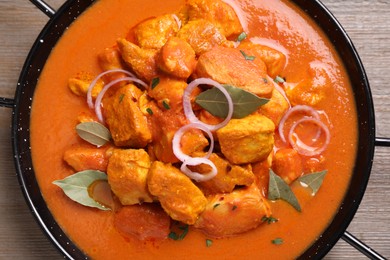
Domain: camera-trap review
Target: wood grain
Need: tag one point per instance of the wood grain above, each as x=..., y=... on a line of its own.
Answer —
x=366, y=22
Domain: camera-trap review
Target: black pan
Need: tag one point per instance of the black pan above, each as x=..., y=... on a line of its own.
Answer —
x=51, y=33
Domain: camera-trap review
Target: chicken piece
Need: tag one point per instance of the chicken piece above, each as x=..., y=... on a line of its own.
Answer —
x=178, y=195
x=231, y=66
x=287, y=164
x=275, y=108
x=164, y=124
x=80, y=83
x=154, y=33
x=170, y=91
x=145, y=222
x=202, y=35
x=261, y=172
x=313, y=90
x=273, y=59
x=141, y=61
x=247, y=140
x=127, y=173
x=228, y=177
x=233, y=213
x=177, y=58
x=83, y=158
x=127, y=124
x=109, y=59
x=217, y=12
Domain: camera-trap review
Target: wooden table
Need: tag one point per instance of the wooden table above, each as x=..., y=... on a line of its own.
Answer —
x=367, y=23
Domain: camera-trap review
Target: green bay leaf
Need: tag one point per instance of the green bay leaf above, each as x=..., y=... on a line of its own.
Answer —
x=76, y=187
x=279, y=189
x=244, y=102
x=313, y=180
x=94, y=133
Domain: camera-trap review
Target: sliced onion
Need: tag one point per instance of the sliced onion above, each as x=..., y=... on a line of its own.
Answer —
x=298, y=108
x=239, y=13
x=178, y=21
x=189, y=113
x=98, y=107
x=192, y=161
x=93, y=83
x=303, y=148
x=177, y=138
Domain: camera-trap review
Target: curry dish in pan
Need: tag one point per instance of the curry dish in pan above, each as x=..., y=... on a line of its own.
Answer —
x=193, y=129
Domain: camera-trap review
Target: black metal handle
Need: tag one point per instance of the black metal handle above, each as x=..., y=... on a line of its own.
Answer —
x=382, y=141
x=7, y=102
x=363, y=248
x=44, y=7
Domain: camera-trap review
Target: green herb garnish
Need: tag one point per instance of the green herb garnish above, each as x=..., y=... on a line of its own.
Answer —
x=269, y=219
x=216, y=205
x=277, y=241
x=209, y=242
x=166, y=105
x=247, y=57
x=241, y=37
x=121, y=98
x=279, y=79
x=174, y=236
x=155, y=82
x=234, y=207
x=149, y=110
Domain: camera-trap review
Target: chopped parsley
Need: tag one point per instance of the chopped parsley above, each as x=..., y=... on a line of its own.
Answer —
x=209, y=242
x=155, y=82
x=216, y=205
x=241, y=37
x=149, y=110
x=279, y=79
x=247, y=57
x=166, y=105
x=277, y=241
x=121, y=98
x=269, y=220
x=175, y=236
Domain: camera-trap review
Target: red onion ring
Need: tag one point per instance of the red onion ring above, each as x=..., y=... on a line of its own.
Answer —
x=178, y=21
x=179, y=134
x=192, y=161
x=93, y=83
x=189, y=113
x=298, y=108
x=303, y=148
x=98, y=109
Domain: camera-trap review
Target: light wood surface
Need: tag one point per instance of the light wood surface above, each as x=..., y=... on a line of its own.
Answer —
x=367, y=23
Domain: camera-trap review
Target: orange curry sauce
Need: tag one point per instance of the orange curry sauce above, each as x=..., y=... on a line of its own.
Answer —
x=55, y=111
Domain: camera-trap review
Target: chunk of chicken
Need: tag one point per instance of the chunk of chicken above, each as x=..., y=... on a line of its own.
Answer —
x=287, y=163
x=313, y=90
x=273, y=59
x=177, y=58
x=231, y=66
x=275, y=108
x=154, y=33
x=80, y=83
x=83, y=158
x=228, y=177
x=217, y=12
x=202, y=35
x=170, y=91
x=145, y=222
x=127, y=124
x=127, y=173
x=233, y=213
x=141, y=61
x=109, y=59
x=178, y=195
x=247, y=140
x=261, y=172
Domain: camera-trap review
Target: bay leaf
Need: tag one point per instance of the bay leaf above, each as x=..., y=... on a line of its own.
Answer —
x=244, y=102
x=279, y=189
x=94, y=133
x=313, y=180
x=76, y=187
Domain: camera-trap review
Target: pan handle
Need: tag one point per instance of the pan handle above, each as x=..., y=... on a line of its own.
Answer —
x=360, y=246
x=44, y=7
x=7, y=102
x=382, y=141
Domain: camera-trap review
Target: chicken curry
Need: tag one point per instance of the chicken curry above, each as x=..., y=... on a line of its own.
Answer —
x=193, y=129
